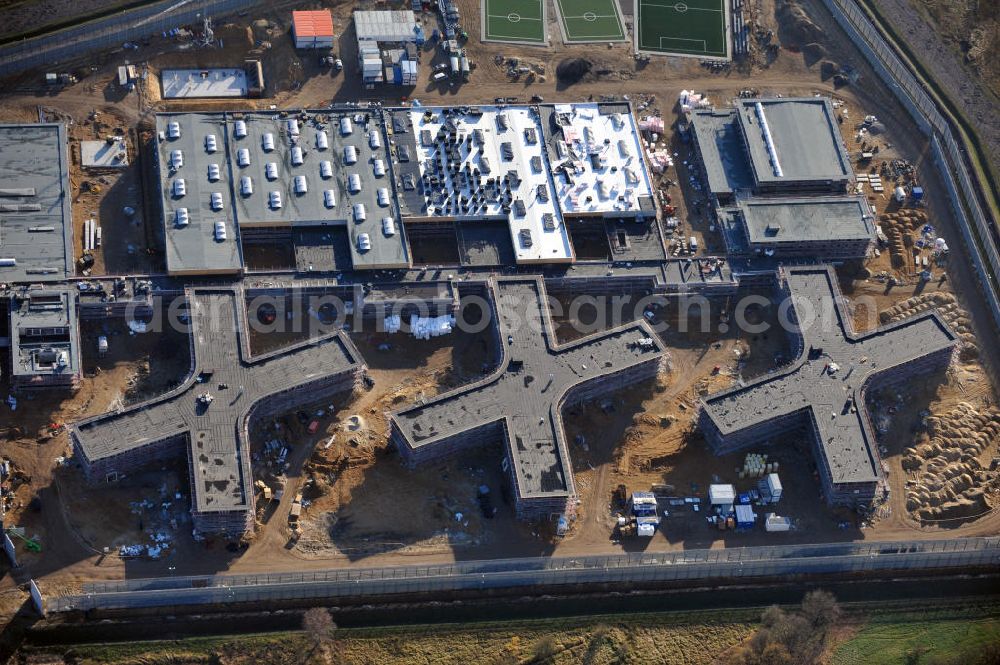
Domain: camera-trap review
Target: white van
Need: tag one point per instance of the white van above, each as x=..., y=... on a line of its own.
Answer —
x=297, y=157
x=379, y=167
x=176, y=159
x=374, y=140
x=180, y=187
x=271, y=170
x=383, y=196
x=181, y=217
x=173, y=130
x=345, y=126
x=211, y=144
x=364, y=242
x=274, y=200
x=215, y=200
x=350, y=154
x=213, y=172
x=240, y=129
x=325, y=169
x=220, y=230
x=322, y=140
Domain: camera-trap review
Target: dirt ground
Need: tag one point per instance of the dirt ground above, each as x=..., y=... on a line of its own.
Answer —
x=641, y=437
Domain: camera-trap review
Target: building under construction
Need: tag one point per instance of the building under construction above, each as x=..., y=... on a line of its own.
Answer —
x=209, y=415
x=521, y=402
x=822, y=392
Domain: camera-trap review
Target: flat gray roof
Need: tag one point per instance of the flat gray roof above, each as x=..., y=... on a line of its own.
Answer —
x=199, y=252
x=44, y=320
x=193, y=248
x=396, y=25
x=526, y=392
x=36, y=224
x=218, y=451
x=834, y=401
x=805, y=135
x=310, y=209
x=723, y=156
x=807, y=219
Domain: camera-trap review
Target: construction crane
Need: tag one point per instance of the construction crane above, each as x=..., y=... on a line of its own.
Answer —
x=32, y=544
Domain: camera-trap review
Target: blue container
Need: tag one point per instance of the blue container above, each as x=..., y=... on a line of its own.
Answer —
x=917, y=193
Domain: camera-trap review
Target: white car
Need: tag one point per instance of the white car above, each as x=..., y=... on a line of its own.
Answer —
x=274, y=200
x=379, y=167
x=271, y=170
x=181, y=217
x=329, y=198
x=359, y=213
x=354, y=183
x=220, y=230
x=325, y=169
x=246, y=185
x=301, y=186
x=173, y=130
x=388, y=226
x=213, y=172
x=322, y=140
x=176, y=159
x=240, y=129
x=267, y=141
x=216, y=201
x=180, y=187
x=211, y=144
x=364, y=242
x=243, y=157
x=297, y=157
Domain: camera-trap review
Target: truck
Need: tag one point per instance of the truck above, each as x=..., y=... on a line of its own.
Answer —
x=643, y=512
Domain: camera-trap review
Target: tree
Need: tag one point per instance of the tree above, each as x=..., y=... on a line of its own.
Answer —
x=319, y=627
x=820, y=609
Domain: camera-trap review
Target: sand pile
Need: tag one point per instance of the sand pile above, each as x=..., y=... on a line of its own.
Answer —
x=951, y=478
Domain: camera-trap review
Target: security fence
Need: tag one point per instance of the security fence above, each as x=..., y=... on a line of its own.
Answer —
x=111, y=32
x=632, y=570
x=948, y=153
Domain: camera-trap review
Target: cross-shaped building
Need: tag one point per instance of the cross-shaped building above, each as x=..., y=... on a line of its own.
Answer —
x=823, y=391
x=522, y=400
x=209, y=414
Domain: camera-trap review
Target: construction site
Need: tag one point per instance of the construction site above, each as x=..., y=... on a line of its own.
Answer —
x=273, y=301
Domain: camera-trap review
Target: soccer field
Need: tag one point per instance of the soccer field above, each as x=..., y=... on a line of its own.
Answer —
x=682, y=27
x=517, y=21
x=590, y=21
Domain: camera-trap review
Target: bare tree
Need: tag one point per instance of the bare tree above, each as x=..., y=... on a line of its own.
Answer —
x=320, y=628
x=820, y=609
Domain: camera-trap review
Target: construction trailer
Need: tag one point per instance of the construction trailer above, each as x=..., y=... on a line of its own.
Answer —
x=773, y=523
x=721, y=498
x=745, y=517
x=313, y=29
x=770, y=488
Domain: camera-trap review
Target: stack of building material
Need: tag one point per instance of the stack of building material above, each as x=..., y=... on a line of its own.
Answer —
x=433, y=326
